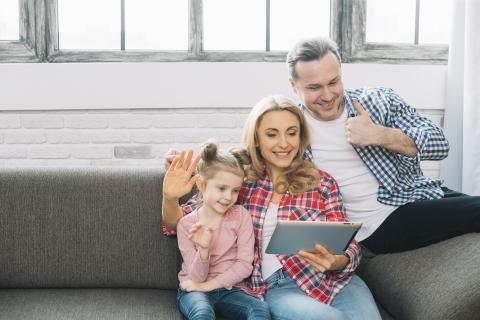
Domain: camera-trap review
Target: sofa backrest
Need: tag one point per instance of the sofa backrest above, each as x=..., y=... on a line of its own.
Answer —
x=84, y=227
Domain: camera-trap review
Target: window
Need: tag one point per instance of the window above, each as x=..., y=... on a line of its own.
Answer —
x=411, y=31
x=9, y=23
x=392, y=31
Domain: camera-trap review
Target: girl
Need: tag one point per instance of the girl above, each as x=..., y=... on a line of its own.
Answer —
x=216, y=242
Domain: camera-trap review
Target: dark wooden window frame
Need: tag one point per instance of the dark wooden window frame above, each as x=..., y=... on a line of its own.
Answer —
x=39, y=41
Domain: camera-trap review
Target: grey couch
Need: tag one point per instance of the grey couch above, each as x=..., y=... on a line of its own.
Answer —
x=87, y=244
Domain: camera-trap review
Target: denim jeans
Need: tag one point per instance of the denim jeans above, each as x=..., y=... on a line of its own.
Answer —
x=230, y=304
x=287, y=301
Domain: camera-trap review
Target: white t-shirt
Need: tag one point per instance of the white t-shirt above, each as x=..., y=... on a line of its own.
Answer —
x=270, y=263
x=358, y=186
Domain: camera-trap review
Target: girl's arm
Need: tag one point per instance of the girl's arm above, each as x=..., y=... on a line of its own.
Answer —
x=242, y=268
x=196, y=267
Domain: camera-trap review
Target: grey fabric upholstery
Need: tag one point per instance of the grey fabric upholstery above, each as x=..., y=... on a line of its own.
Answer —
x=84, y=228
x=87, y=244
x=105, y=304
x=441, y=281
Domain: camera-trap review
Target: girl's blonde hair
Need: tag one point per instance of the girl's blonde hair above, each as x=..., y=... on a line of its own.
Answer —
x=302, y=174
x=213, y=159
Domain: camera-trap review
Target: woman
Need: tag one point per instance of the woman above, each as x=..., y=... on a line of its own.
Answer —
x=281, y=185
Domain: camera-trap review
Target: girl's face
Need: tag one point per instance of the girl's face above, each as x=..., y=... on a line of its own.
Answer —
x=221, y=191
x=278, y=139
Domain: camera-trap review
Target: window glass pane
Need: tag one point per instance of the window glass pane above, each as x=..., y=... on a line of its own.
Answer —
x=156, y=24
x=435, y=21
x=9, y=18
x=391, y=21
x=89, y=24
x=293, y=20
x=234, y=24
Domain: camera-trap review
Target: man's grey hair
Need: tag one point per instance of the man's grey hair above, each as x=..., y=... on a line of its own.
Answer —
x=309, y=50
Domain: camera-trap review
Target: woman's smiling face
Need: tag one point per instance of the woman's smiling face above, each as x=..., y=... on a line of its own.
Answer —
x=278, y=139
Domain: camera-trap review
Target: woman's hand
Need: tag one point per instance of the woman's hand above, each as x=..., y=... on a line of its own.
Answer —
x=201, y=235
x=323, y=260
x=178, y=180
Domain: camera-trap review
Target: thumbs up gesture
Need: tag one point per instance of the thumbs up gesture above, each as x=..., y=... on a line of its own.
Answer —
x=360, y=130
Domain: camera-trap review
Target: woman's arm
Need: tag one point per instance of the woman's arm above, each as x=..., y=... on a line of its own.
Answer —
x=322, y=260
x=178, y=181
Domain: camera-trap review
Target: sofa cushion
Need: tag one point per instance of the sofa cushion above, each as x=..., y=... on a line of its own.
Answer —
x=91, y=227
x=114, y=304
x=441, y=281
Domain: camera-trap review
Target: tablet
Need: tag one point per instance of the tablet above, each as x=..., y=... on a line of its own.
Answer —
x=291, y=236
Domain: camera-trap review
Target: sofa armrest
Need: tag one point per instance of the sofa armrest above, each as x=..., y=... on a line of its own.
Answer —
x=441, y=281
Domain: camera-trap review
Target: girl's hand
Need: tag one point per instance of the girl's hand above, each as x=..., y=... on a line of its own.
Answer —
x=178, y=180
x=201, y=235
x=189, y=285
x=323, y=260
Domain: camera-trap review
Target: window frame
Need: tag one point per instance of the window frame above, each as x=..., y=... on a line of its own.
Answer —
x=39, y=41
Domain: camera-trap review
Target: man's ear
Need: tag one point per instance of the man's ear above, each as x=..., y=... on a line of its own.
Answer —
x=293, y=85
x=200, y=184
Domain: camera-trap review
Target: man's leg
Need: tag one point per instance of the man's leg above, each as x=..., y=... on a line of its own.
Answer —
x=195, y=305
x=236, y=304
x=422, y=223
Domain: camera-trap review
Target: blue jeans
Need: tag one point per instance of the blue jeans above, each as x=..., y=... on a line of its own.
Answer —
x=230, y=304
x=287, y=301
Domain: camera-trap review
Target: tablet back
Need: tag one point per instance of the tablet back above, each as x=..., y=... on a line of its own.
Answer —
x=291, y=236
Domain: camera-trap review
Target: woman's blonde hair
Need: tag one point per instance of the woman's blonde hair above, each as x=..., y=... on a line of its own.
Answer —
x=302, y=174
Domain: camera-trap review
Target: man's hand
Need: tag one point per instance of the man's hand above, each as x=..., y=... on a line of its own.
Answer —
x=323, y=260
x=171, y=154
x=360, y=130
x=178, y=180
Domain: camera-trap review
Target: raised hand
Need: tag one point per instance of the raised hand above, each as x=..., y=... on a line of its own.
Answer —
x=178, y=180
x=201, y=235
x=360, y=130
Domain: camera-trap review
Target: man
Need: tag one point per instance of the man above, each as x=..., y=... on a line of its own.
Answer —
x=372, y=142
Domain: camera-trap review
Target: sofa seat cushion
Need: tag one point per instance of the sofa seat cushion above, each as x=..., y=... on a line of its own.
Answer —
x=114, y=304
x=441, y=281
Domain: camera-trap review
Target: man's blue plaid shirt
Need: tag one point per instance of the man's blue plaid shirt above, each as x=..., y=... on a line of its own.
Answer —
x=401, y=179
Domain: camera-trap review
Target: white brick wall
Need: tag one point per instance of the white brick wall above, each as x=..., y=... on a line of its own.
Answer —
x=122, y=137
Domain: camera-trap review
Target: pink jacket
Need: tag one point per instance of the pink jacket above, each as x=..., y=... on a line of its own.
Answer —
x=231, y=254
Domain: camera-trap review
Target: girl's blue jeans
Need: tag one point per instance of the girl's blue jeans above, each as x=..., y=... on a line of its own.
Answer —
x=229, y=304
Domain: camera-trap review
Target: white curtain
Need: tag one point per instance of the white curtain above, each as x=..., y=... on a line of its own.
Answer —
x=461, y=170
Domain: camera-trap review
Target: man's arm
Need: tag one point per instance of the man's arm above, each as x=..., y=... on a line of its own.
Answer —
x=361, y=131
x=410, y=134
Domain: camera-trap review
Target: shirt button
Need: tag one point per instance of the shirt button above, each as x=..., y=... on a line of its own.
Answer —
x=283, y=261
x=307, y=291
x=295, y=277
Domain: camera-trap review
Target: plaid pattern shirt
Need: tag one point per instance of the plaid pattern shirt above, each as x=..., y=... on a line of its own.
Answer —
x=401, y=179
x=323, y=203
